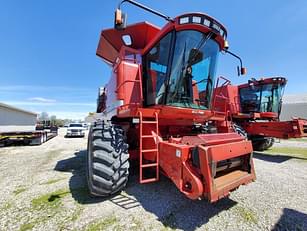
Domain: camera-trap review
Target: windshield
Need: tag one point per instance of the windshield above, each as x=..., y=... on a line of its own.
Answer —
x=193, y=70
x=75, y=125
x=261, y=98
x=182, y=76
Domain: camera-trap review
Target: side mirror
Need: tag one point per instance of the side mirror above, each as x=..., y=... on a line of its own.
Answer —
x=120, y=20
x=241, y=71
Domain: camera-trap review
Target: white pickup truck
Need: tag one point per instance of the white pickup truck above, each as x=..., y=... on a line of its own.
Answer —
x=75, y=129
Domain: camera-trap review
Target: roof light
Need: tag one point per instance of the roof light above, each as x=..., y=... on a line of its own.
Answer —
x=184, y=20
x=196, y=19
x=221, y=32
x=206, y=22
x=216, y=27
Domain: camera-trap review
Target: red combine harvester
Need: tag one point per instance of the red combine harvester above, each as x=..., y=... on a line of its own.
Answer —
x=157, y=110
x=256, y=106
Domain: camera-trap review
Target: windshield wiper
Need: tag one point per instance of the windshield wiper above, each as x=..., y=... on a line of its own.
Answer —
x=182, y=70
x=201, y=81
x=201, y=43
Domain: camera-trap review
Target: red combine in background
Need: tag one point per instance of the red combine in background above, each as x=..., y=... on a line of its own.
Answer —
x=255, y=106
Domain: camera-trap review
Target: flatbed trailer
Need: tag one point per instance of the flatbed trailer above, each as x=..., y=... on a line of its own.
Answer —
x=26, y=137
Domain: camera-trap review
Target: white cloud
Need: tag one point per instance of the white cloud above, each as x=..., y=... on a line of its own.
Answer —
x=42, y=100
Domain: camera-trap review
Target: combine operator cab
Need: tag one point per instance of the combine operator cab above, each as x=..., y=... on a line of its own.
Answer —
x=158, y=101
x=180, y=69
x=262, y=96
x=262, y=99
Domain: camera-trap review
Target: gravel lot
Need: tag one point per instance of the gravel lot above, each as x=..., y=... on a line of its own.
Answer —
x=44, y=188
x=300, y=143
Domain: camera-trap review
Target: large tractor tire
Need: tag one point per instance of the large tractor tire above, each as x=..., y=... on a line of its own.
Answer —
x=263, y=144
x=107, y=160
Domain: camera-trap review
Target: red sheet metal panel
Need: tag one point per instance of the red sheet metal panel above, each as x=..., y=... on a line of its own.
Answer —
x=220, y=186
x=296, y=128
x=111, y=41
x=211, y=139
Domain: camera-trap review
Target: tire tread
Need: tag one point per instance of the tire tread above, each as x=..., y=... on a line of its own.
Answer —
x=108, y=160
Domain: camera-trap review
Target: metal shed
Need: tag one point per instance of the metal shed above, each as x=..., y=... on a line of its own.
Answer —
x=294, y=106
x=16, y=119
x=290, y=110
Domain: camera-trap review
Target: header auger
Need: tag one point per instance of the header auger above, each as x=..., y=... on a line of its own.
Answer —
x=157, y=110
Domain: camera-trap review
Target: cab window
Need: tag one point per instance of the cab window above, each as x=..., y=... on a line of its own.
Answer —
x=156, y=65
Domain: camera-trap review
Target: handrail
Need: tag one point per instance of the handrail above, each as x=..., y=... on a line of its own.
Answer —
x=126, y=81
x=121, y=56
x=219, y=94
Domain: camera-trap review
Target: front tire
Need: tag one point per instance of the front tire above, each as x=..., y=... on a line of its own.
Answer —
x=107, y=160
x=263, y=144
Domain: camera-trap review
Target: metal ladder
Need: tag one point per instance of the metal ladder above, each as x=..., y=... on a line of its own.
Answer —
x=144, y=150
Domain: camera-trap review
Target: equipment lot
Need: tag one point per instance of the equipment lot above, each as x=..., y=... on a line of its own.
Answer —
x=44, y=188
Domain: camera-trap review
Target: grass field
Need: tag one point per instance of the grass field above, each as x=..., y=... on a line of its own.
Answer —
x=293, y=151
x=299, y=140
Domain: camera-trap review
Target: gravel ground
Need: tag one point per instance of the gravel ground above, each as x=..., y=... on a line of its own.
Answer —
x=44, y=188
x=298, y=143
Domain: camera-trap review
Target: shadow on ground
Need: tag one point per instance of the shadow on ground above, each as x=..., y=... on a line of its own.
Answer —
x=172, y=208
x=291, y=220
x=77, y=183
x=275, y=158
x=162, y=198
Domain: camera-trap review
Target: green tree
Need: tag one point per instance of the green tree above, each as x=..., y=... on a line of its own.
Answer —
x=43, y=116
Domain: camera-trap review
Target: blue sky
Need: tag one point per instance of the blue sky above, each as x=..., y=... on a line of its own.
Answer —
x=47, y=48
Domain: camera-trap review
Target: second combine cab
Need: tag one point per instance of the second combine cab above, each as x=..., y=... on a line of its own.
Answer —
x=256, y=106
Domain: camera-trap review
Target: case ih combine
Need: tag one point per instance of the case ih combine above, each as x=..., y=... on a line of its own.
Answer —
x=256, y=106
x=157, y=110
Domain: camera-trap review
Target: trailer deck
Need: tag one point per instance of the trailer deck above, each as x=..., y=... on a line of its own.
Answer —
x=26, y=137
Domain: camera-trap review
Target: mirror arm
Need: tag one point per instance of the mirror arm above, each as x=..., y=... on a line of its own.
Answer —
x=241, y=69
x=236, y=56
x=147, y=9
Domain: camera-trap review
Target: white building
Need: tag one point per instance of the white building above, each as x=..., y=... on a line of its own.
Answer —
x=294, y=106
x=16, y=119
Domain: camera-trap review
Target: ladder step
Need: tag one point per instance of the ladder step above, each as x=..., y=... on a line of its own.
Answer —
x=149, y=180
x=154, y=149
x=149, y=165
x=150, y=150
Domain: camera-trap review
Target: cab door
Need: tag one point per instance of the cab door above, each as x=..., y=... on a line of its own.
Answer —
x=155, y=69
